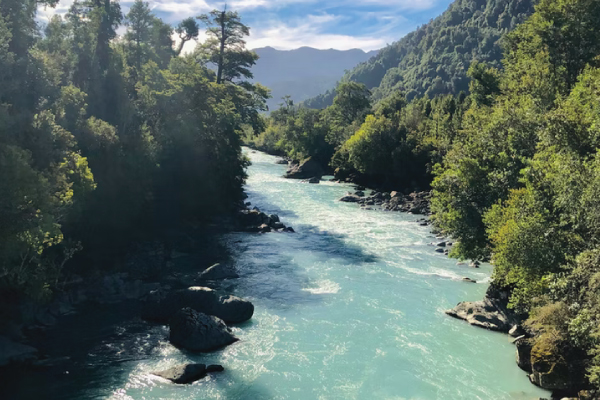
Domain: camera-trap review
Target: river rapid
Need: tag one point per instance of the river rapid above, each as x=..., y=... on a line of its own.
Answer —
x=351, y=306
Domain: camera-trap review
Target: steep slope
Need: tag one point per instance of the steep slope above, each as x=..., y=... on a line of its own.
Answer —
x=434, y=59
x=304, y=72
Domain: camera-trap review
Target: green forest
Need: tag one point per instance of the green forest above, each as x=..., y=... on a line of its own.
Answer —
x=107, y=139
x=434, y=59
x=513, y=165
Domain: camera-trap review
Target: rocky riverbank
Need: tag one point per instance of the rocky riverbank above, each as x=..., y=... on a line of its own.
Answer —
x=414, y=203
x=156, y=281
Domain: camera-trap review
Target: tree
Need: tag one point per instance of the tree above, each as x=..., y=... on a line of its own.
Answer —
x=187, y=30
x=485, y=83
x=350, y=101
x=140, y=21
x=225, y=46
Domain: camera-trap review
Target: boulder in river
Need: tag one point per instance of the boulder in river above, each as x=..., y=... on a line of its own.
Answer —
x=160, y=306
x=196, y=331
x=277, y=226
x=219, y=271
x=350, y=198
x=188, y=373
x=308, y=168
x=469, y=280
x=264, y=228
x=314, y=180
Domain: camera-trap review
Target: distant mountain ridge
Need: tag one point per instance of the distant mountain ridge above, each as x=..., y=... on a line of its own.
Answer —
x=304, y=72
x=434, y=59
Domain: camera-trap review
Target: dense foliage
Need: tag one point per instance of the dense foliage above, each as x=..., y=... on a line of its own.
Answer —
x=107, y=139
x=435, y=58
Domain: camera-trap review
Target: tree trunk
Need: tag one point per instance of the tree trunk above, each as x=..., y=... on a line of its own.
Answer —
x=180, y=46
x=222, y=49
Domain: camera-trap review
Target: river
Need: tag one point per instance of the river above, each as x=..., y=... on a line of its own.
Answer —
x=351, y=306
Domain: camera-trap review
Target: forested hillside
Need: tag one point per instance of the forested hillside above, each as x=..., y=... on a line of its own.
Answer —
x=515, y=172
x=435, y=58
x=303, y=73
x=107, y=140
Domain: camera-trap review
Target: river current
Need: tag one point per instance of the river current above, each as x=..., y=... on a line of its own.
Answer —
x=351, y=306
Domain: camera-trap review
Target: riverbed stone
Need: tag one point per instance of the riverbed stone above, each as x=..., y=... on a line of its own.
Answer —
x=308, y=168
x=160, y=305
x=195, y=331
x=350, y=198
x=277, y=226
x=264, y=228
x=188, y=373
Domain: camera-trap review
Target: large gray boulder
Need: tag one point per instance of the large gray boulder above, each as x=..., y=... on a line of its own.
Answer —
x=308, y=168
x=485, y=314
x=188, y=373
x=233, y=309
x=218, y=272
x=161, y=306
x=196, y=331
x=13, y=352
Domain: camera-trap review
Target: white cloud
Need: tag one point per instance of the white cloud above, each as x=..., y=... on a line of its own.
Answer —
x=288, y=24
x=310, y=31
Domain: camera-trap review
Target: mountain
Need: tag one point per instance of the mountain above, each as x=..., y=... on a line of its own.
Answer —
x=305, y=72
x=434, y=59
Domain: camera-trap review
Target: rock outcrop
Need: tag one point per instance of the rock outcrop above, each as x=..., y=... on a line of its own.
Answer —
x=161, y=306
x=490, y=313
x=196, y=331
x=307, y=169
x=188, y=373
x=523, y=353
x=256, y=221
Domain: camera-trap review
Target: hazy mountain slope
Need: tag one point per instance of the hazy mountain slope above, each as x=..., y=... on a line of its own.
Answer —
x=434, y=58
x=305, y=72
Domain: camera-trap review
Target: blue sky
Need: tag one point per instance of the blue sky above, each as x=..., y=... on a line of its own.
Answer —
x=289, y=24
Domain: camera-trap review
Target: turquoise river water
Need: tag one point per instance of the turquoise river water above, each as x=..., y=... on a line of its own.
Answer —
x=351, y=306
